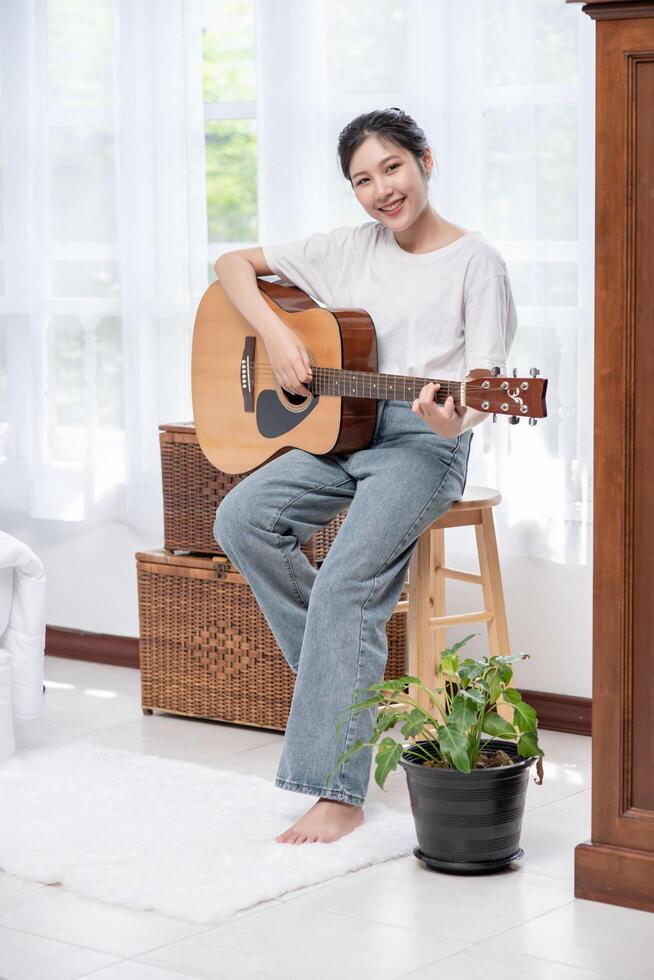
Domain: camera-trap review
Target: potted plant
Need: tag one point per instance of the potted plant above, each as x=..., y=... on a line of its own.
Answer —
x=467, y=795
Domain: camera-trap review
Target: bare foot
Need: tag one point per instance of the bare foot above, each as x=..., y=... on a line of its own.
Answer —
x=326, y=821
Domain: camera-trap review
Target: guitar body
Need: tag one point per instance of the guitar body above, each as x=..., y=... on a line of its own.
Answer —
x=244, y=418
x=240, y=430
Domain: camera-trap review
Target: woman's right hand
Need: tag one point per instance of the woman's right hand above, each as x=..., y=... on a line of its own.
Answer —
x=289, y=359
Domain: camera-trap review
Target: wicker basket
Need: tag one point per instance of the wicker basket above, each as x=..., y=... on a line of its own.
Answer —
x=192, y=490
x=206, y=649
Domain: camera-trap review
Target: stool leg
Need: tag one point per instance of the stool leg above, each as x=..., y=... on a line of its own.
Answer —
x=437, y=590
x=420, y=658
x=489, y=565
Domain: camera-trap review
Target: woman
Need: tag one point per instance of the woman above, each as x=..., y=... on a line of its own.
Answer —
x=440, y=300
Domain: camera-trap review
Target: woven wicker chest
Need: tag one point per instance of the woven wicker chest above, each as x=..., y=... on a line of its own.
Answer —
x=206, y=650
x=193, y=489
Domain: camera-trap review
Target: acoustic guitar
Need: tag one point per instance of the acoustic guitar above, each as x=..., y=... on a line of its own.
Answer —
x=244, y=417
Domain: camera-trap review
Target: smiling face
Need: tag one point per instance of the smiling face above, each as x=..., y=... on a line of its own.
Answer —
x=383, y=173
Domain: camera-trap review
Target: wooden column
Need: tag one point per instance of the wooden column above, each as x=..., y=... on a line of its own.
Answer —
x=617, y=864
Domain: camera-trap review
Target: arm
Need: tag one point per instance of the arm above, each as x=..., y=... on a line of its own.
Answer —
x=237, y=272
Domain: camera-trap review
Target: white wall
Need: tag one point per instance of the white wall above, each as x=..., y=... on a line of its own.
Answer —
x=92, y=586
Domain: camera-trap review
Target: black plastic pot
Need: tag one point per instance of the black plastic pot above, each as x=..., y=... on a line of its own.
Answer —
x=468, y=822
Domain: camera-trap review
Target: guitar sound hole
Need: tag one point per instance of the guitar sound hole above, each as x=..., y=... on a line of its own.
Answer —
x=293, y=398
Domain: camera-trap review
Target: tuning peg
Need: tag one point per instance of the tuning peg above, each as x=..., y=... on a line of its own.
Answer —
x=534, y=372
x=495, y=371
x=533, y=421
x=514, y=419
x=515, y=372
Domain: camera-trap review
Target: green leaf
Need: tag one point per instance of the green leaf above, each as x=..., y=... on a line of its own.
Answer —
x=388, y=754
x=472, y=694
x=359, y=744
x=359, y=705
x=452, y=742
x=388, y=720
x=512, y=695
x=495, y=687
x=449, y=664
x=470, y=670
x=494, y=724
x=463, y=711
x=457, y=646
x=524, y=717
x=528, y=744
x=415, y=721
x=397, y=684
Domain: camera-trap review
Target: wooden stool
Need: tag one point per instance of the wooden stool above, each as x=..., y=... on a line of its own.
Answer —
x=426, y=619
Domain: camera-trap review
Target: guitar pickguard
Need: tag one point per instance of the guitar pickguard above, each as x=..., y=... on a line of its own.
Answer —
x=273, y=419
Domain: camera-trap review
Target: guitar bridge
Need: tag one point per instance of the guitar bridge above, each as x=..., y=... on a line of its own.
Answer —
x=247, y=374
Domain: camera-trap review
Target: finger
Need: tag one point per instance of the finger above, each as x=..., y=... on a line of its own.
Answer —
x=299, y=387
x=290, y=383
x=428, y=396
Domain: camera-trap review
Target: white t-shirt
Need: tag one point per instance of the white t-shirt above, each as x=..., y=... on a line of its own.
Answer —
x=437, y=314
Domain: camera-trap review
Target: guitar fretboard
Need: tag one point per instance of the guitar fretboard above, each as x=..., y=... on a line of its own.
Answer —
x=367, y=384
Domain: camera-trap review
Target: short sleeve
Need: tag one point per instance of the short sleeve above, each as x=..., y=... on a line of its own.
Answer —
x=314, y=264
x=490, y=323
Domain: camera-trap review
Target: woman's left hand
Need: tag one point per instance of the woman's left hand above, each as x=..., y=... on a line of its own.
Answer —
x=445, y=420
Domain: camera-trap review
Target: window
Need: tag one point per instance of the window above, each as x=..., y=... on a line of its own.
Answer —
x=229, y=83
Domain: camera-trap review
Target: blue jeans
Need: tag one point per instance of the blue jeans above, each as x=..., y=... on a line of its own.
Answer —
x=330, y=623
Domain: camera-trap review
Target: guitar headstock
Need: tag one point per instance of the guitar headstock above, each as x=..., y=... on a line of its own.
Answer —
x=511, y=396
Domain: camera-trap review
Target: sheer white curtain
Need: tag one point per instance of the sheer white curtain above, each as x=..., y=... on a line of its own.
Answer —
x=102, y=250
x=505, y=93
x=103, y=228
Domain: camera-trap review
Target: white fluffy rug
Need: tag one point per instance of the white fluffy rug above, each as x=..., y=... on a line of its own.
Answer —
x=183, y=839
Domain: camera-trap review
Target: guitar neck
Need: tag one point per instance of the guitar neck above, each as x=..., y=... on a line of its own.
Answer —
x=368, y=384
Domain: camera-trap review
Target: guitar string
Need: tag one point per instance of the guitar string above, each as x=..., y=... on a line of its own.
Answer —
x=470, y=386
x=399, y=380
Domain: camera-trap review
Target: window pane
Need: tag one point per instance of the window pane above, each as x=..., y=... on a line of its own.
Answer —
x=81, y=278
x=553, y=55
x=556, y=43
x=2, y=192
x=367, y=46
x=80, y=52
x=66, y=429
x=4, y=388
x=545, y=157
x=231, y=152
x=228, y=51
x=544, y=283
x=109, y=374
x=65, y=371
x=82, y=195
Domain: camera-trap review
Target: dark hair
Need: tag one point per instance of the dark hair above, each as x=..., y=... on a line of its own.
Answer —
x=393, y=125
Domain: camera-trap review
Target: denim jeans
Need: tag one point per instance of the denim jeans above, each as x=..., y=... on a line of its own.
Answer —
x=330, y=623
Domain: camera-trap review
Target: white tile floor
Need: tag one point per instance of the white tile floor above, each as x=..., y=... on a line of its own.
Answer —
x=393, y=920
